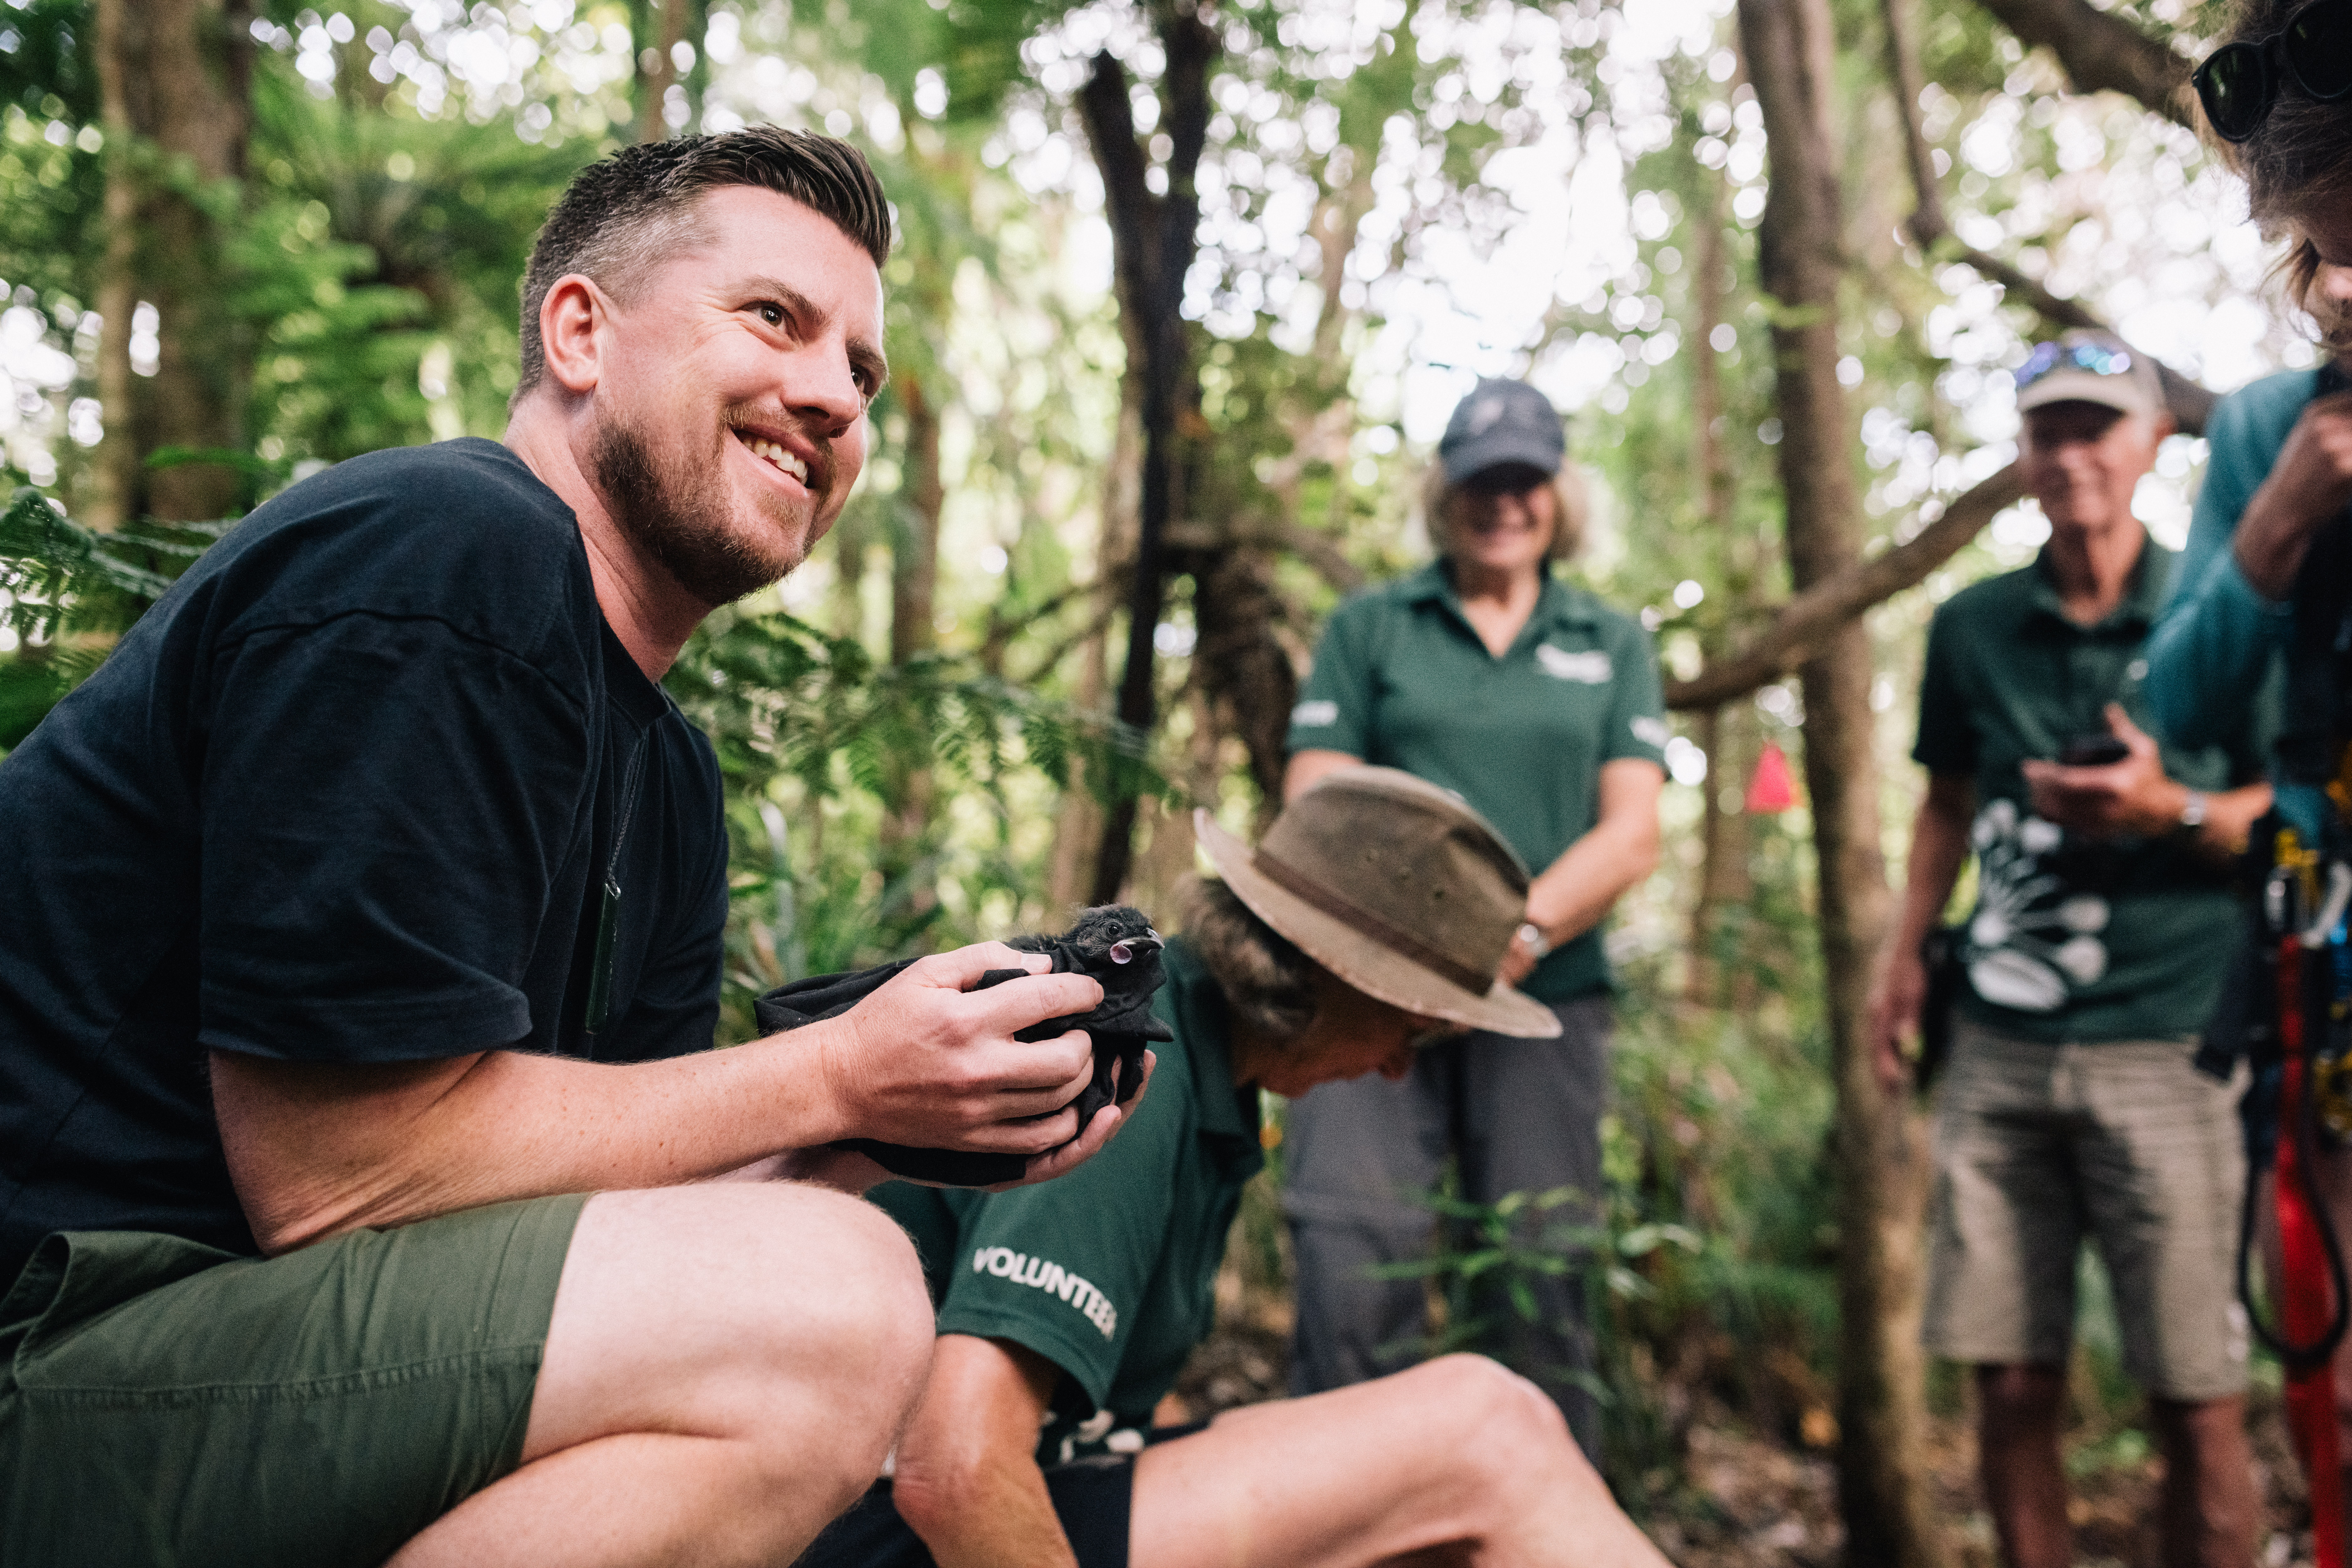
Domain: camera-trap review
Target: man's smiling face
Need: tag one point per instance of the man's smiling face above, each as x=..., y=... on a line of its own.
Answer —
x=731, y=401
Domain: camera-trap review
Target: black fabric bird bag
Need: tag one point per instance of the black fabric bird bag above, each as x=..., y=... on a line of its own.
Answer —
x=1115, y=944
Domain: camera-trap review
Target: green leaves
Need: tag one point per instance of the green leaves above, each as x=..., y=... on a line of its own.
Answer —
x=67, y=590
x=56, y=572
x=781, y=698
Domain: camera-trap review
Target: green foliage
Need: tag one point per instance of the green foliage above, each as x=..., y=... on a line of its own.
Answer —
x=66, y=591
x=46, y=58
x=783, y=699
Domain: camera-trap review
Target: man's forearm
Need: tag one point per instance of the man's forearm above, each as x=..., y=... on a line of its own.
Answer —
x=316, y=1150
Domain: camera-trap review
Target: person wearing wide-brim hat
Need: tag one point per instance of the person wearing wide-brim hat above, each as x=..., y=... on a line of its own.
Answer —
x=1540, y=705
x=1373, y=917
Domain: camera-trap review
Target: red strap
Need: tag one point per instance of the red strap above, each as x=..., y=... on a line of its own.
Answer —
x=2307, y=1310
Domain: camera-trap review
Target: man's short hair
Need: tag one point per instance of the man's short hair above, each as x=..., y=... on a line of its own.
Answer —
x=623, y=216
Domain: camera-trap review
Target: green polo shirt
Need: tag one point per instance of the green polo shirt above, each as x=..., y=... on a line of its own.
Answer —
x=1402, y=680
x=2075, y=938
x=1110, y=1271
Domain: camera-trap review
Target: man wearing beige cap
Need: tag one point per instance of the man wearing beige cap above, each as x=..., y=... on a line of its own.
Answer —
x=2069, y=1109
x=1373, y=917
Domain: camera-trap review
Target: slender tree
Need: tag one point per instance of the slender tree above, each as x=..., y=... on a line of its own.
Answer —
x=174, y=103
x=1154, y=236
x=1880, y=1156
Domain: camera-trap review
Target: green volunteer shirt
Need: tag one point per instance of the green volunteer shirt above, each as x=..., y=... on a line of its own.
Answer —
x=1402, y=680
x=1108, y=1272
x=2073, y=938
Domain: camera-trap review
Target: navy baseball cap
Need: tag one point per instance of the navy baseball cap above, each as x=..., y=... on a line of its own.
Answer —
x=1502, y=424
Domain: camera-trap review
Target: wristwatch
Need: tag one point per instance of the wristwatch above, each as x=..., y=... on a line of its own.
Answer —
x=1532, y=934
x=2192, y=812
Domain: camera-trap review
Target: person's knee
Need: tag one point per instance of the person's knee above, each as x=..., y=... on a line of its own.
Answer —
x=837, y=1296
x=1499, y=1429
x=2022, y=1392
x=754, y=1310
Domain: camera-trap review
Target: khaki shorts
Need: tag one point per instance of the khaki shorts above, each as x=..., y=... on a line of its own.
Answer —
x=162, y=1402
x=2038, y=1147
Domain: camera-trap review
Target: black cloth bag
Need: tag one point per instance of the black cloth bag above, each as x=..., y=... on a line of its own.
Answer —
x=1113, y=943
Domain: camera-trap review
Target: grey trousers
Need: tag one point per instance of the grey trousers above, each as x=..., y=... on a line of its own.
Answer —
x=1520, y=1115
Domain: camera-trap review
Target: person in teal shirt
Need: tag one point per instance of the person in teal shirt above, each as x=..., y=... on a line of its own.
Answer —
x=2278, y=476
x=1374, y=916
x=1540, y=706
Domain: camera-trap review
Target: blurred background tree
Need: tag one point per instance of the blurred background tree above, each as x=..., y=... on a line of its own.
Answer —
x=1182, y=294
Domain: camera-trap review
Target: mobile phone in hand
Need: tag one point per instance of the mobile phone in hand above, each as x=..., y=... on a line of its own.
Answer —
x=2094, y=749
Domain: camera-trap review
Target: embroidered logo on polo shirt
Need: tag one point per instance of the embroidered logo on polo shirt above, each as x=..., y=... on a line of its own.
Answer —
x=1316, y=714
x=1024, y=1269
x=1593, y=669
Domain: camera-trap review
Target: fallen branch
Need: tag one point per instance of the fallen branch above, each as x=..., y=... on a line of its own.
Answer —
x=2103, y=53
x=1831, y=604
x=1932, y=231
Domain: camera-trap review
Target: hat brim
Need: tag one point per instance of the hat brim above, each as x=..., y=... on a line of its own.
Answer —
x=1376, y=971
x=1501, y=449
x=2123, y=394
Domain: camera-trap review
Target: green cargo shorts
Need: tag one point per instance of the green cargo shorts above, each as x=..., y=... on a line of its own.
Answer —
x=166, y=1403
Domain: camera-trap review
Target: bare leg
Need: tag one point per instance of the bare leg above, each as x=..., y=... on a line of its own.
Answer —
x=2209, y=1506
x=1454, y=1461
x=2019, y=1409
x=726, y=1369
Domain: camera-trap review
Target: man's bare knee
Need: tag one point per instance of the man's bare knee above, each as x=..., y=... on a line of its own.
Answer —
x=765, y=1312
x=1493, y=1428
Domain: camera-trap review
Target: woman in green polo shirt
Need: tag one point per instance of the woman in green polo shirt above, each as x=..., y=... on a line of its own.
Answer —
x=1540, y=707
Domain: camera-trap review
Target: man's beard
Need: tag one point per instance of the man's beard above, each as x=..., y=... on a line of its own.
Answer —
x=680, y=517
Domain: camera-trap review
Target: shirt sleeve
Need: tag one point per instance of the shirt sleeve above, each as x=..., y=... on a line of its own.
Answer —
x=1061, y=1267
x=1947, y=735
x=1637, y=710
x=2217, y=639
x=1335, y=707
x=385, y=803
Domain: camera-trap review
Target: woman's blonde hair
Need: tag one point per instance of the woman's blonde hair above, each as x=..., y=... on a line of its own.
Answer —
x=1572, y=507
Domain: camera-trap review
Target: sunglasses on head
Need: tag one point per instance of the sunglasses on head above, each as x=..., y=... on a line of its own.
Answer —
x=2097, y=358
x=2239, y=82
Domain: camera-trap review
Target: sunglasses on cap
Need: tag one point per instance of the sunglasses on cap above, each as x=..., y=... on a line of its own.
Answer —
x=2097, y=358
x=2239, y=82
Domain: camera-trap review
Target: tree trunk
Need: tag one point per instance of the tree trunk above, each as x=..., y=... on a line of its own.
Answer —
x=914, y=579
x=656, y=70
x=1724, y=882
x=915, y=544
x=1153, y=239
x=1719, y=918
x=173, y=93
x=1881, y=1163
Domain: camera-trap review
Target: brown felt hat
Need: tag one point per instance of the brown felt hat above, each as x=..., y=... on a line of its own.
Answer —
x=1396, y=887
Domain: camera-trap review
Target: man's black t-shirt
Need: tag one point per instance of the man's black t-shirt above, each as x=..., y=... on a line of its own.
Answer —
x=349, y=793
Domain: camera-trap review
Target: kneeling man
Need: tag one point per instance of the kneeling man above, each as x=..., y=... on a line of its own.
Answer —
x=1373, y=919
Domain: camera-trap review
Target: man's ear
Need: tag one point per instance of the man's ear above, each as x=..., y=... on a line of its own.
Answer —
x=568, y=317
